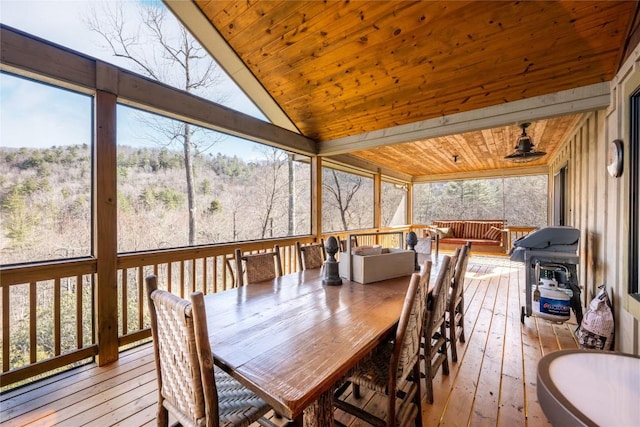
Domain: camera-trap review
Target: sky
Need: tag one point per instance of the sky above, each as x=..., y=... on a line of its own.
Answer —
x=44, y=116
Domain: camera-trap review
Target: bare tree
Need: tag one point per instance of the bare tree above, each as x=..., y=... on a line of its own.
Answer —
x=169, y=55
x=291, y=229
x=342, y=197
x=271, y=187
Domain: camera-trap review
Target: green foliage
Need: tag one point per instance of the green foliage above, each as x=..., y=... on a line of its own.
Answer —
x=147, y=197
x=42, y=159
x=205, y=187
x=122, y=171
x=147, y=159
x=32, y=162
x=124, y=202
x=215, y=206
x=230, y=166
x=125, y=161
x=32, y=185
x=19, y=221
x=71, y=156
x=169, y=161
x=149, y=164
x=10, y=157
x=13, y=200
x=52, y=155
x=168, y=197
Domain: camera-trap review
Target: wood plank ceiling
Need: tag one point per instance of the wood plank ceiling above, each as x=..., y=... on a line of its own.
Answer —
x=339, y=69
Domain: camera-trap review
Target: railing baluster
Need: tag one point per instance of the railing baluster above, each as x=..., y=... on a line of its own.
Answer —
x=192, y=273
x=214, y=273
x=5, y=328
x=56, y=316
x=123, y=303
x=169, y=276
x=140, y=298
x=205, y=275
x=32, y=322
x=79, y=332
x=182, y=279
x=225, y=273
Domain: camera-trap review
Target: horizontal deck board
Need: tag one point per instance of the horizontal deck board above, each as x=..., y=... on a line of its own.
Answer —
x=69, y=395
x=493, y=382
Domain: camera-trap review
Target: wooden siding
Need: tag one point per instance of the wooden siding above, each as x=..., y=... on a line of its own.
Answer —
x=597, y=203
x=493, y=383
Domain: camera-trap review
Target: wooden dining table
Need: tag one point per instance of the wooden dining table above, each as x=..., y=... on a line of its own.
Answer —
x=292, y=339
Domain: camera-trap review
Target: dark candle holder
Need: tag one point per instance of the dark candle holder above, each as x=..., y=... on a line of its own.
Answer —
x=331, y=268
x=412, y=241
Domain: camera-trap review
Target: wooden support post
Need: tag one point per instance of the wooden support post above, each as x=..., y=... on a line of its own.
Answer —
x=410, y=203
x=377, y=200
x=316, y=197
x=105, y=230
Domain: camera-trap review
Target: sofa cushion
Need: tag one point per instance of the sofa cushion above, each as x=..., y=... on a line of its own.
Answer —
x=494, y=233
x=457, y=227
x=443, y=232
x=478, y=229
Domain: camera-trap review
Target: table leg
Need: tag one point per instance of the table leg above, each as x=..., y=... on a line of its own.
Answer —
x=320, y=413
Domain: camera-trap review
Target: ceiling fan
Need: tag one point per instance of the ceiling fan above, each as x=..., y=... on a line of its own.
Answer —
x=524, y=149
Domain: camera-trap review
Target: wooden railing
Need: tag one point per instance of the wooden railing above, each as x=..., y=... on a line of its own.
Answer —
x=515, y=232
x=51, y=305
x=387, y=237
x=54, y=301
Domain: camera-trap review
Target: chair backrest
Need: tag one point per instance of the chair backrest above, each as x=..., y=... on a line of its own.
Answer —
x=258, y=267
x=406, y=352
x=437, y=304
x=343, y=243
x=230, y=261
x=179, y=366
x=425, y=277
x=311, y=256
x=457, y=282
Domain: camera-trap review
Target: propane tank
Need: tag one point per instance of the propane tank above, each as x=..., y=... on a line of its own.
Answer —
x=552, y=302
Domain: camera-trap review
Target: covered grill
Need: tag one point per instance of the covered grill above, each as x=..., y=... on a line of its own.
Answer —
x=550, y=257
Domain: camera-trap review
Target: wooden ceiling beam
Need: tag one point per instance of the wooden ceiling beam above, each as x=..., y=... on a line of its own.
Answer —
x=484, y=174
x=357, y=163
x=578, y=100
x=34, y=58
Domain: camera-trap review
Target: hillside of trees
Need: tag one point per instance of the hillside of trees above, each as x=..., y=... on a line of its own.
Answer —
x=45, y=200
x=521, y=201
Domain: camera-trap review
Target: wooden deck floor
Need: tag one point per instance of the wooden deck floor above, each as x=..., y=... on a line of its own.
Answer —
x=493, y=383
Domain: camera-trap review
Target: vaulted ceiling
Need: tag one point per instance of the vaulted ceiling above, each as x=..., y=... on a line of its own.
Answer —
x=409, y=85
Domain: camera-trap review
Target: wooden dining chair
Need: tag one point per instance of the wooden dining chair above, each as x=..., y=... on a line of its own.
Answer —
x=190, y=387
x=311, y=256
x=455, y=302
x=257, y=267
x=392, y=369
x=343, y=243
x=435, y=332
